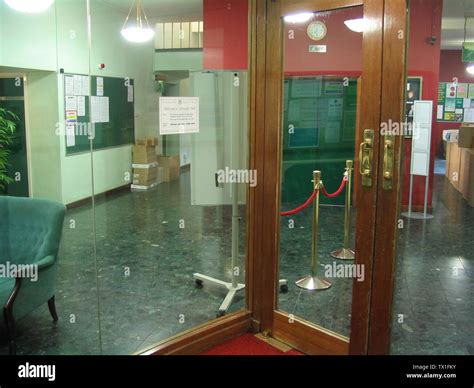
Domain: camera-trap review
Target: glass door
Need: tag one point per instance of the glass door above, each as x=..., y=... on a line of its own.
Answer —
x=327, y=116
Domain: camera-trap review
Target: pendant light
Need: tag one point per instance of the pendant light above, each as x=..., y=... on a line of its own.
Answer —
x=29, y=6
x=140, y=30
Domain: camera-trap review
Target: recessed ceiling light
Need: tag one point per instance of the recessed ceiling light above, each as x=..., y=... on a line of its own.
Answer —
x=356, y=25
x=299, y=17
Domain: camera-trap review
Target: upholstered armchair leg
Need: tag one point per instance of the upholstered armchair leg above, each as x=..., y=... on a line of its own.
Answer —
x=52, y=309
x=8, y=315
x=10, y=322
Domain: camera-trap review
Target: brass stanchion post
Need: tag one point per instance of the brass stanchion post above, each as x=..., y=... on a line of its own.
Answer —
x=312, y=282
x=346, y=253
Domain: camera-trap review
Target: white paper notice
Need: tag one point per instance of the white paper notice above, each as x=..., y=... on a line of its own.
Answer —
x=71, y=117
x=81, y=106
x=466, y=103
x=306, y=87
x=71, y=103
x=130, y=93
x=69, y=85
x=469, y=115
x=70, y=136
x=440, y=114
x=335, y=108
x=86, y=89
x=104, y=110
x=77, y=85
x=95, y=109
x=179, y=115
x=100, y=86
x=451, y=90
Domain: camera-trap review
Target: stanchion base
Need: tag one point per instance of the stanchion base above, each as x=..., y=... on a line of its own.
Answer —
x=418, y=216
x=313, y=283
x=343, y=254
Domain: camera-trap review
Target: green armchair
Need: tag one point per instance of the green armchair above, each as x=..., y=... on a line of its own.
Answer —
x=30, y=233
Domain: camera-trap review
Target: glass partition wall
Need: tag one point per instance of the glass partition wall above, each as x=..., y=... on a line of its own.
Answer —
x=432, y=303
x=147, y=148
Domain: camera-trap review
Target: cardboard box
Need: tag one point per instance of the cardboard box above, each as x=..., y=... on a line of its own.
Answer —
x=145, y=176
x=466, y=136
x=152, y=141
x=454, y=165
x=171, y=165
x=149, y=141
x=162, y=171
x=448, y=154
x=144, y=154
x=470, y=190
x=464, y=172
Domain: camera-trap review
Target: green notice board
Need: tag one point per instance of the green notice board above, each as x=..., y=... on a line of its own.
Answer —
x=455, y=102
x=318, y=134
x=111, y=122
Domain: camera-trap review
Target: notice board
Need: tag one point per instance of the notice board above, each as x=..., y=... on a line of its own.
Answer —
x=455, y=102
x=98, y=110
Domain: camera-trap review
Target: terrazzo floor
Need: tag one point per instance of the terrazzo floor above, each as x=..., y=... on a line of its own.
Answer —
x=145, y=292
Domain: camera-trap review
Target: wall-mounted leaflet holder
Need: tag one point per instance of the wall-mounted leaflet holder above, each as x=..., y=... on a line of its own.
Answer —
x=420, y=153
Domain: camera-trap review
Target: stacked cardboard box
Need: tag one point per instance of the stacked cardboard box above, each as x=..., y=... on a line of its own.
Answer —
x=145, y=164
x=460, y=162
x=170, y=167
x=469, y=194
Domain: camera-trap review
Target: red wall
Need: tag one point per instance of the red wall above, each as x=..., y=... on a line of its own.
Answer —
x=225, y=35
x=423, y=61
x=344, y=47
x=451, y=66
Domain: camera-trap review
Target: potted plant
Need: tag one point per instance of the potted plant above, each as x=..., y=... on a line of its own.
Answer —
x=7, y=129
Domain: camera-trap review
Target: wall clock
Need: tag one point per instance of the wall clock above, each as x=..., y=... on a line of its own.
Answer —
x=317, y=30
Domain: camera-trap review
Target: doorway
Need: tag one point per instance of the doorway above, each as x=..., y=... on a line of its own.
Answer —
x=326, y=165
x=12, y=99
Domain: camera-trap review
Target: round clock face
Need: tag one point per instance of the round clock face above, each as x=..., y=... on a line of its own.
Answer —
x=317, y=30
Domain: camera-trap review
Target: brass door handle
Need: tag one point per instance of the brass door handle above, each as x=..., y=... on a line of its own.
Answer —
x=388, y=161
x=366, y=153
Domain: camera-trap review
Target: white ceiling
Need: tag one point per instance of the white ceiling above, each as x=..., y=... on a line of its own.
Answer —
x=452, y=36
x=162, y=10
x=454, y=12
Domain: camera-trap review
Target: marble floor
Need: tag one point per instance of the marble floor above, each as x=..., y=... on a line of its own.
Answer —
x=144, y=291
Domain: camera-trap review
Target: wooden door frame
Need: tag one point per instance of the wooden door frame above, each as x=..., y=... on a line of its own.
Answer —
x=389, y=202
x=265, y=276
x=264, y=201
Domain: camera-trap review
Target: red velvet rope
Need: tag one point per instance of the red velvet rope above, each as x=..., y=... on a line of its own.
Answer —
x=339, y=190
x=302, y=207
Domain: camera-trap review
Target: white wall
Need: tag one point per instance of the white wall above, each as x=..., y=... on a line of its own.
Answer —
x=58, y=39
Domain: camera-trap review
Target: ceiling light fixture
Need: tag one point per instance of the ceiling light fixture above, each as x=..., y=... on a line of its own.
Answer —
x=29, y=6
x=470, y=68
x=356, y=25
x=140, y=31
x=299, y=17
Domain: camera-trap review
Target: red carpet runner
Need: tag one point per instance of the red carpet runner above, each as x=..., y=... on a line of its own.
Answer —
x=247, y=345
